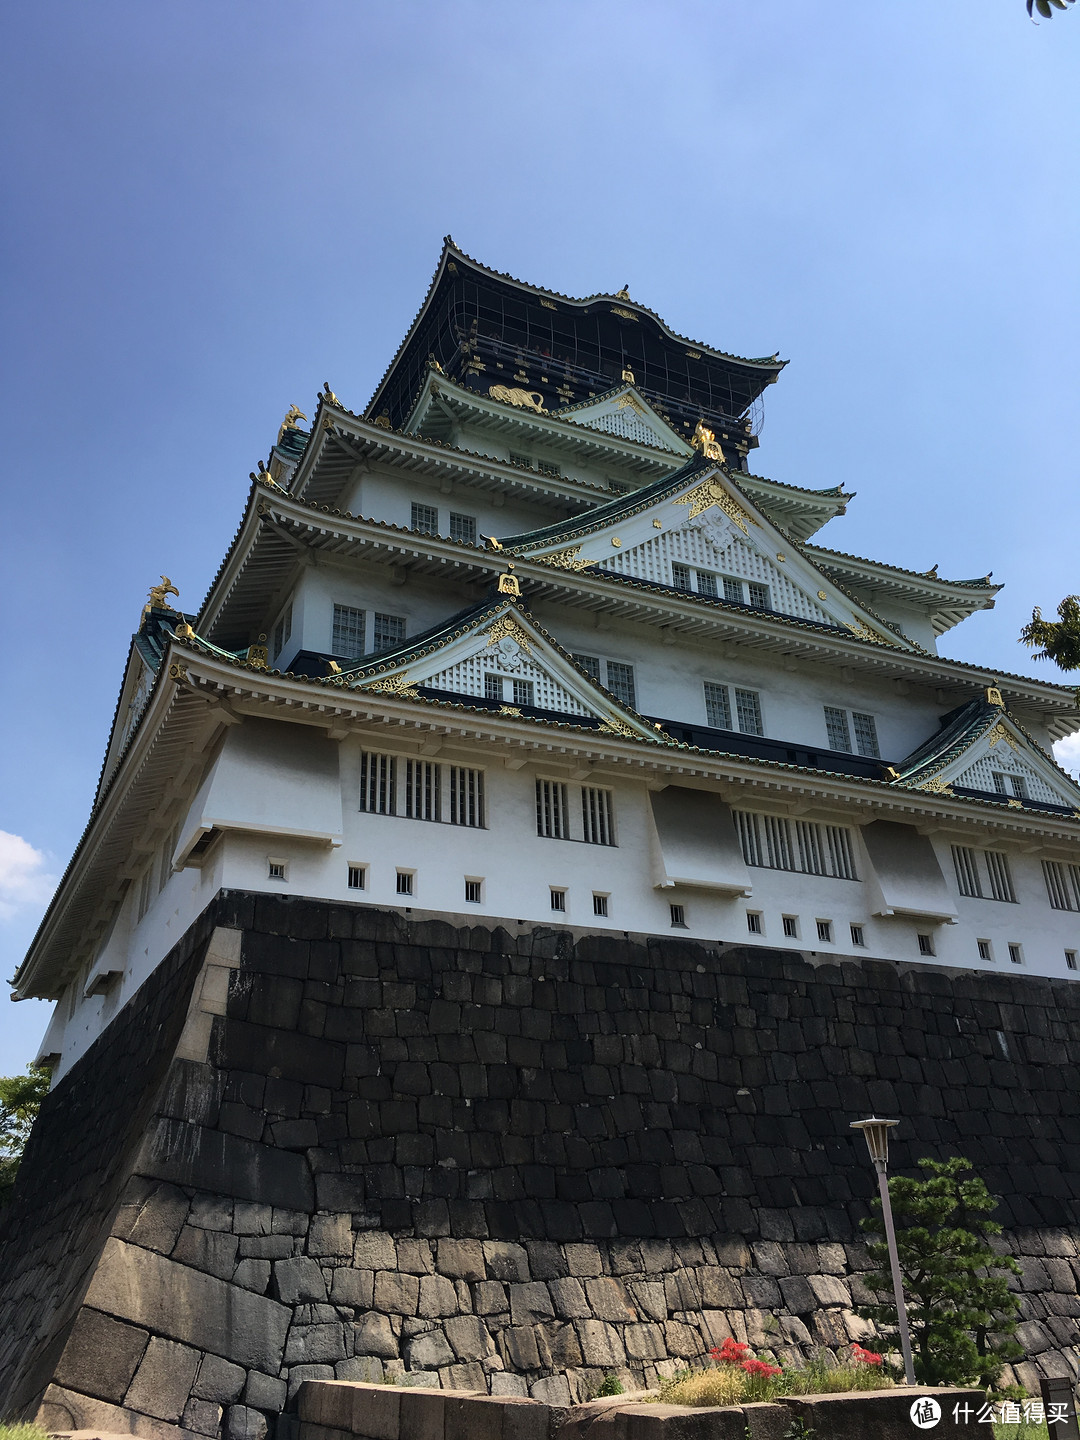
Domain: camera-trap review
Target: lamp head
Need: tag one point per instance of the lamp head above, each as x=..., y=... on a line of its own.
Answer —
x=877, y=1137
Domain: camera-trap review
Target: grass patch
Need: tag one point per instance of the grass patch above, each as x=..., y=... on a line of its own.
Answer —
x=22, y=1432
x=1026, y=1430
x=730, y=1384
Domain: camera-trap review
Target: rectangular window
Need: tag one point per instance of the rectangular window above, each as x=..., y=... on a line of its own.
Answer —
x=748, y=711
x=717, y=706
x=866, y=741
x=558, y=901
x=1070, y=959
x=551, y=810
x=966, y=865
x=389, y=631
x=620, y=681
x=463, y=528
x=1062, y=884
x=474, y=890
x=596, y=816
x=985, y=952
x=466, y=796
x=824, y=931
x=926, y=944
x=753, y=922
x=422, y=787
x=523, y=692
x=405, y=882
x=706, y=583
x=680, y=576
x=548, y=467
x=771, y=843
x=1016, y=954
x=357, y=877
x=617, y=487
x=759, y=596
x=276, y=870
x=493, y=686
x=678, y=917
x=600, y=905
x=836, y=728
x=590, y=664
x=517, y=458
x=733, y=590
x=997, y=867
x=348, y=636
x=282, y=630
x=791, y=927
x=857, y=935
x=425, y=518
x=145, y=890
x=1009, y=784
x=378, y=783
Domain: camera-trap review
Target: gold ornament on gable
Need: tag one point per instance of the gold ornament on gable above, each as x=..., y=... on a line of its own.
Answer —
x=289, y=423
x=506, y=627
x=523, y=399
x=704, y=440
x=710, y=493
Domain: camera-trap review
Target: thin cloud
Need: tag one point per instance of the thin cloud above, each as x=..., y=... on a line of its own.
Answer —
x=24, y=880
x=1067, y=754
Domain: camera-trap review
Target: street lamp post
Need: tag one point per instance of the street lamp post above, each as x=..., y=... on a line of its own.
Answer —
x=877, y=1142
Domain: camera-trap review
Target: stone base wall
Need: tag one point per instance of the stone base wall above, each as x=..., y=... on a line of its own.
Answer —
x=332, y=1142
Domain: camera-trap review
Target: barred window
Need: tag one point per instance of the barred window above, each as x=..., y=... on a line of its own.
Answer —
x=771, y=842
x=836, y=727
x=422, y=783
x=492, y=686
x=463, y=527
x=748, y=711
x=680, y=576
x=866, y=741
x=474, y=892
x=548, y=467
x=357, y=877
x=378, y=783
x=590, y=664
x=425, y=518
x=620, y=681
x=1001, y=886
x=733, y=590
x=348, y=636
x=706, y=583
x=389, y=631
x=466, y=796
x=523, y=692
x=551, y=810
x=1006, y=783
x=966, y=865
x=717, y=706
x=1062, y=884
x=759, y=596
x=596, y=816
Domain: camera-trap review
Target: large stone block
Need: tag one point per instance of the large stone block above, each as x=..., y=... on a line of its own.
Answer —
x=884, y=1414
x=101, y=1356
x=163, y=1380
x=226, y=1165
x=682, y=1422
x=182, y=1304
x=375, y=1336
x=220, y=1380
x=65, y=1411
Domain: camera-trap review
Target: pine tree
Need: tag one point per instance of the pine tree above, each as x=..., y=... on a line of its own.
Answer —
x=961, y=1311
x=20, y=1101
x=1060, y=639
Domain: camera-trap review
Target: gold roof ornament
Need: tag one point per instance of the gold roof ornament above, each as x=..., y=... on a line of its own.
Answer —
x=509, y=584
x=289, y=423
x=994, y=697
x=506, y=627
x=709, y=493
x=183, y=631
x=157, y=599
x=623, y=294
x=258, y=656
x=523, y=399
x=383, y=420
x=704, y=440
x=263, y=477
x=333, y=668
x=328, y=394
x=628, y=376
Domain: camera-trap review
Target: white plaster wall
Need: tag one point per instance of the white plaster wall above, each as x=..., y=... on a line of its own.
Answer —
x=389, y=496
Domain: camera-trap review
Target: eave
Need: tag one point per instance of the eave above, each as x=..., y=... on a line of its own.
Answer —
x=947, y=602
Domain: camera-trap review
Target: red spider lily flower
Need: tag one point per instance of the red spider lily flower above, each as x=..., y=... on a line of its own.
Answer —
x=865, y=1357
x=759, y=1367
x=731, y=1352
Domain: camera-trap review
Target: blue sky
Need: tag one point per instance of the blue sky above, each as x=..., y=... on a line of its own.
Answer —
x=211, y=208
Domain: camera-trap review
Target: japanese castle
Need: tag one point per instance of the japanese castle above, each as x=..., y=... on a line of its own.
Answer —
x=527, y=642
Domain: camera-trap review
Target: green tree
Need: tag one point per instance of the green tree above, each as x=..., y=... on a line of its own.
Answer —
x=1043, y=7
x=961, y=1311
x=1060, y=638
x=20, y=1101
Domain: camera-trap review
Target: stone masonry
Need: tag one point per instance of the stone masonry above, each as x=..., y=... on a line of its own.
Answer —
x=334, y=1142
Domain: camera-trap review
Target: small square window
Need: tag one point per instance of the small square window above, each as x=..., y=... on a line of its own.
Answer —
x=985, y=952
x=759, y=596
x=678, y=917
x=405, y=882
x=517, y=458
x=1016, y=954
x=357, y=877
x=463, y=528
x=474, y=892
x=276, y=870
x=824, y=931
x=733, y=591
x=523, y=692
x=1070, y=959
x=590, y=664
x=425, y=518
x=753, y=922
x=548, y=467
x=791, y=927
x=926, y=944
x=680, y=576
x=558, y=901
x=493, y=686
x=389, y=631
x=706, y=583
x=600, y=904
x=857, y=935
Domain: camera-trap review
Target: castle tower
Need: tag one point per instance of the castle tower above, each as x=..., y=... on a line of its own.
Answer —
x=497, y=890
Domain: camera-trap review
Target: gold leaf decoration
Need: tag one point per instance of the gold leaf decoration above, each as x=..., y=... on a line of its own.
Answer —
x=710, y=493
x=507, y=626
